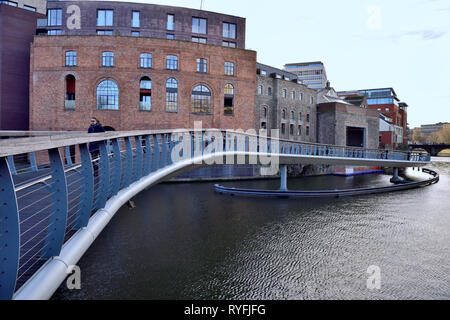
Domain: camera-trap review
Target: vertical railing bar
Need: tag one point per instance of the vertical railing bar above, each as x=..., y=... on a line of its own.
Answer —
x=87, y=191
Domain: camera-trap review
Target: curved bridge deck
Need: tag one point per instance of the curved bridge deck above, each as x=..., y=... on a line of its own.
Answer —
x=55, y=206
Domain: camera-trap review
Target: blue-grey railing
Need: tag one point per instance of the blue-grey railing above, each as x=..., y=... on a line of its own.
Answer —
x=44, y=204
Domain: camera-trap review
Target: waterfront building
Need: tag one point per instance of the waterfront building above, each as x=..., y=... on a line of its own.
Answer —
x=145, y=80
x=17, y=28
x=390, y=134
x=428, y=129
x=312, y=74
x=385, y=101
x=283, y=102
x=344, y=124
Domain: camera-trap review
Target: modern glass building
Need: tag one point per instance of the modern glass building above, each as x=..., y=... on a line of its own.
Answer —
x=311, y=74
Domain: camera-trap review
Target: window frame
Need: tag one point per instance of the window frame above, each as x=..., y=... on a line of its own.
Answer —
x=171, y=63
x=108, y=59
x=71, y=58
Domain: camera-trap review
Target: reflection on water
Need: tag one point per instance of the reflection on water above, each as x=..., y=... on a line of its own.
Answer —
x=186, y=242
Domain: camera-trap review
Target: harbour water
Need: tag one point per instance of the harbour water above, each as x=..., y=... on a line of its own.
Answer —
x=183, y=241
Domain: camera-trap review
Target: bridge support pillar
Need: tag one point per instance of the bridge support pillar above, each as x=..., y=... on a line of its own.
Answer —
x=283, y=178
x=395, y=177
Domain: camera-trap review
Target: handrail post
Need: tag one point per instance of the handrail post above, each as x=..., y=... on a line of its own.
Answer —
x=104, y=173
x=33, y=164
x=139, y=159
x=128, y=170
x=58, y=218
x=12, y=166
x=157, y=153
x=117, y=168
x=10, y=233
x=87, y=191
x=165, y=151
x=147, y=156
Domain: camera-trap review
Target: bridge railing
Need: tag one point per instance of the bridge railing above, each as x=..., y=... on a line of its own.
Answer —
x=61, y=185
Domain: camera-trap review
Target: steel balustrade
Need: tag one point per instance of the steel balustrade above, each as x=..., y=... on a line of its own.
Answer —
x=82, y=190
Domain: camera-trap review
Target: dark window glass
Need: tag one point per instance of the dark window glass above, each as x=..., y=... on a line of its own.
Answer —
x=229, y=99
x=229, y=44
x=172, y=95
x=307, y=131
x=145, y=93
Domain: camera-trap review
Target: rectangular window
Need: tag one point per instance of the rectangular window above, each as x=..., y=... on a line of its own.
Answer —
x=199, y=25
x=146, y=60
x=308, y=118
x=229, y=30
x=105, y=32
x=107, y=59
x=170, y=36
x=29, y=8
x=54, y=17
x=170, y=22
x=199, y=40
x=229, y=68
x=71, y=58
x=202, y=65
x=307, y=131
x=11, y=3
x=300, y=130
x=54, y=32
x=283, y=128
x=172, y=63
x=135, y=33
x=229, y=44
x=105, y=18
x=135, y=19
x=291, y=129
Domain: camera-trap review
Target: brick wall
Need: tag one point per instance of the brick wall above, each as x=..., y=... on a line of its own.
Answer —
x=48, y=72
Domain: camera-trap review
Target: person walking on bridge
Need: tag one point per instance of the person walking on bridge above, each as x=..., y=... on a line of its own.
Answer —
x=94, y=148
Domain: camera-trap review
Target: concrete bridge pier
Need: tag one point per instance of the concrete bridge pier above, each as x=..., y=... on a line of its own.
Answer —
x=395, y=177
x=283, y=178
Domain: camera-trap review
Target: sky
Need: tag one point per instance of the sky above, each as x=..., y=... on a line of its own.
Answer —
x=364, y=44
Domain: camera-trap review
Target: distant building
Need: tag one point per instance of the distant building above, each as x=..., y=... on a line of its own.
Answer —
x=39, y=6
x=384, y=100
x=428, y=129
x=283, y=103
x=17, y=28
x=311, y=74
x=391, y=135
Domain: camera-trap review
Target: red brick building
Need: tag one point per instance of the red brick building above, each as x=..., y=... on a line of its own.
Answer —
x=132, y=83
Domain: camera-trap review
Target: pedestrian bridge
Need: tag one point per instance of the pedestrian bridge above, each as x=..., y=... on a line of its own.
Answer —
x=55, y=199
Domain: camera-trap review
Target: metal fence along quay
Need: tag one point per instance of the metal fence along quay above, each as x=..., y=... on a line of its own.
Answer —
x=56, y=198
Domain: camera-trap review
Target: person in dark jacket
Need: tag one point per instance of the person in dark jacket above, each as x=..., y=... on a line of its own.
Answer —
x=94, y=148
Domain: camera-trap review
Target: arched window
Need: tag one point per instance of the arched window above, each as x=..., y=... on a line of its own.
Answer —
x=146, y=60
x=108, y=59
x=283, y=115
x=145, y=94
x=172, y=95
x=269, y=91
x=292, y=115
x=229, y=99
x=201, y=100
x=107, y=95
x=264, y=112
x=172, y=63
x=70, y=92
